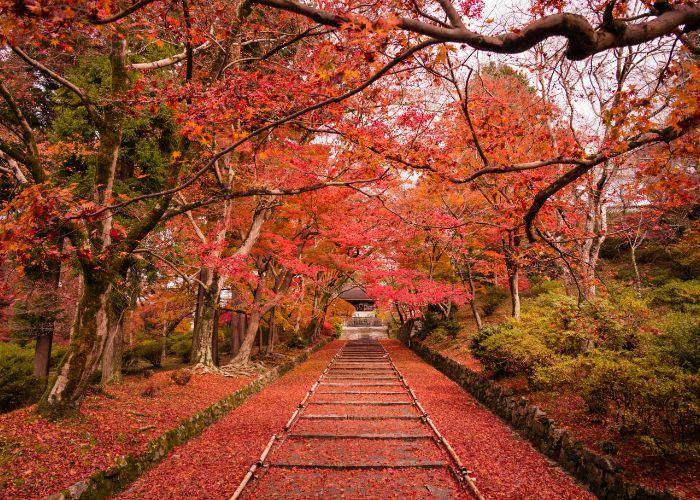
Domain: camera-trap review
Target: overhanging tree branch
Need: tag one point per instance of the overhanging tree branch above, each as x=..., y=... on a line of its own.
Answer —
x=666, y=135
x=583, y=39
x=246, y=193
x=121, y=14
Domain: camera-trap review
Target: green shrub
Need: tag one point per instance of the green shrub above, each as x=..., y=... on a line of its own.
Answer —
x=511, y=350
x=642, y=394
x=480, y=336
x=611, y=248
x=18, y=386
x=180, y=346
x=609, y=353
x=445, y=330
x=57, y=354
x=224, y=340
x=609, y=447
x=491, y=299
x=659, y=448
x=296, y=342
x=680, y=340
x=543, y=284
x=678, y=295
x=685, y=254
x=147, y=350
x=428, y=323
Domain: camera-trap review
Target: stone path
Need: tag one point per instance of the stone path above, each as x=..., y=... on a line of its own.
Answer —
x=213, y=464
x=360, y=431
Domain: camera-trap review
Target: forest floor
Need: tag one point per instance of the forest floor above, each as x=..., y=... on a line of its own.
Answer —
x=38, y=457
x=569, y=412
x=503, y=464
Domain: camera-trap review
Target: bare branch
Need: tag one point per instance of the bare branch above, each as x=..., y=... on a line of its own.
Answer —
x=246, y=193
x=168, y=61
x=452, y=14
x=465, y=110
x=420, y=12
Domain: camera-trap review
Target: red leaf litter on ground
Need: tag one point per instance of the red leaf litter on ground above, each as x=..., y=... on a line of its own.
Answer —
x=569, y=412
x=463, y=357
x=213, y=464
x=39, y=457
x=503, y=464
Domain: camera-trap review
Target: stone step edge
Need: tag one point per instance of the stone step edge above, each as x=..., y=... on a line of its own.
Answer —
x=129, y=468
x=413, y=465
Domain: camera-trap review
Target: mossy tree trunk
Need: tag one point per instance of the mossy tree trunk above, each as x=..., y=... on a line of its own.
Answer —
x=205, y=316
x=88, y=339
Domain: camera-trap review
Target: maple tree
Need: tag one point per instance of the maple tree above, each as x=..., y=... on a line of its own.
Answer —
x=166, y=138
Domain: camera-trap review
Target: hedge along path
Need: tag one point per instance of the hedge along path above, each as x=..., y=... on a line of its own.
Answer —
x=358, y=432
x=506, y=465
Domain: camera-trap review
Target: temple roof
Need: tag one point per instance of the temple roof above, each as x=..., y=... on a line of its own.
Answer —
x=355, y=293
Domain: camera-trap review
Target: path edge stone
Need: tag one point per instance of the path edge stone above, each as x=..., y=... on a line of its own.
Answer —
x=131, y=467
x=594, y=470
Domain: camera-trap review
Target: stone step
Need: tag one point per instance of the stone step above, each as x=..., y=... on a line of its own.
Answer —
x=413, y=483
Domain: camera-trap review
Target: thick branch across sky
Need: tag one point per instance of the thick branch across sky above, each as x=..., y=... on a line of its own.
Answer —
x=583, y=39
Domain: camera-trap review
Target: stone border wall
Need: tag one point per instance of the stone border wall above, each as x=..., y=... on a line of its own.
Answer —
x=592, y=469
x=130, y=467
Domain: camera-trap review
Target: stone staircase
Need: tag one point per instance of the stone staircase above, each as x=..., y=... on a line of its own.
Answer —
x=364, y=325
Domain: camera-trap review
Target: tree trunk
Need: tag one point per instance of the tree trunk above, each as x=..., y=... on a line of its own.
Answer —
x=120, y=303
x=215, y=338
x=202, y=336
x=313, y=330
x=513, y=283
x=321, y=320
x=637, y=276
x=42, y=354
x=260, y=339
x=47, y=323
x=272, y=336
x=237, y=332
x=82, y=361
x=163, y=349
x=472, y=302
x=243, y=355
x=112, y=357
